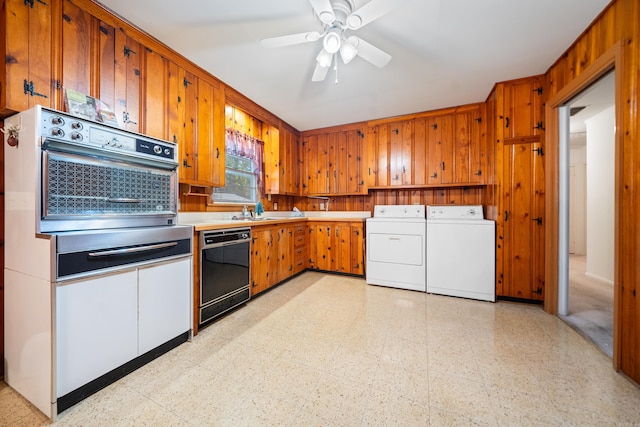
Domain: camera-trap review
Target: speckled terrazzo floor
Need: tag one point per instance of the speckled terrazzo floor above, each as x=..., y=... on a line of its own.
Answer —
x=324, y=350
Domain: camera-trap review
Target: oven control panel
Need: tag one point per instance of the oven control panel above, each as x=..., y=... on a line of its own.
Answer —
x=83, y=132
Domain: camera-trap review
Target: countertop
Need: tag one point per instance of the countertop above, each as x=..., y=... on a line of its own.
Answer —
x=202, y=221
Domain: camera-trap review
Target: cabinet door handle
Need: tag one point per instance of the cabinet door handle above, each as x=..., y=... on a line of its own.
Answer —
x=506, y=122
x=132, y=250
x=217, y=153
x=442, y=164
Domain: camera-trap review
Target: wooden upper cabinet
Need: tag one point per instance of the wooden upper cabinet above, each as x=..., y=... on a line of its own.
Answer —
x=333, y=162
x=440, y=155
x=26, y=45
x=119, y=62
x=282, y=169
x=468, y=147
x=155, y=94
x=209, y=142
x=400, y=152
x=523, y=113
x=77, y=32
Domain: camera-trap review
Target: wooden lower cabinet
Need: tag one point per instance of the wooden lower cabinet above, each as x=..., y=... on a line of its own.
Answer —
x=336, y=246
x=274, y=254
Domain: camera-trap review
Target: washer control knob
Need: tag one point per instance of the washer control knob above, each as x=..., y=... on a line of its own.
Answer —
x=57, y=120
x=76, y=136
x=157, y=149
x=76, y=125
x=57, y=132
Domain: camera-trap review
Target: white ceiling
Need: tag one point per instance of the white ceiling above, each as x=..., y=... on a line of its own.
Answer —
x=445, y=52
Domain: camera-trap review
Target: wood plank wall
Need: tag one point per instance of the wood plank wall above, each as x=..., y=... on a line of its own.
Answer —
x=618, y=23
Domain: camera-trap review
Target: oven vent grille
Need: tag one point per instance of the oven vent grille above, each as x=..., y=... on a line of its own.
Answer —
x=75, y=188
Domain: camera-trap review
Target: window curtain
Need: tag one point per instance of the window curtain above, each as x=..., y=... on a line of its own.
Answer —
x=243, y=145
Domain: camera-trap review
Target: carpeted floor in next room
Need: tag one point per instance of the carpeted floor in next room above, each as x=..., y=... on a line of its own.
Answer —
x=325, y=350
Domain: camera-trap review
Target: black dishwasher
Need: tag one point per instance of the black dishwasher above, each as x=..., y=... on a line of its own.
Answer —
x=224, y=271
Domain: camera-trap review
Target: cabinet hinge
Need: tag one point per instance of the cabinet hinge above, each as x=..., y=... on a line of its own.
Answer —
x=126, y=118
x=57, y=84
x=538, y=220
x=539, y=90
x=537, y=291
x=506, y=215
x=128, y=51
x=360, y=133
x=479, y=173
x=30, y=3
x=435, y=126
x=539, y=150
x=395, y=131
x=186, y=82
x=136, y=72
x=28, y=89
x=478, y=119
x=539, y=126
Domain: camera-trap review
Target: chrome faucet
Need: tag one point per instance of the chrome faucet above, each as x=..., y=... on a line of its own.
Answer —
x=245, y=212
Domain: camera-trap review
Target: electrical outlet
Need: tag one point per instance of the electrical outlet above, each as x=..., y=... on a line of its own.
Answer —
x=269, y=197
x=321, y=206
x=275, y=206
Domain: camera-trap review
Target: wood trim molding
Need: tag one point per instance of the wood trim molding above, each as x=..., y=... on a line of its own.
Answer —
x=611, y=59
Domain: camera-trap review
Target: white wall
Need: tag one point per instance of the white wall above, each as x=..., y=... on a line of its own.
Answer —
x=578, y=194
x=600, y=194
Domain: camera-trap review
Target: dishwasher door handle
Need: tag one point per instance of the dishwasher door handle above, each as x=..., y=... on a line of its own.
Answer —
x=132, y=250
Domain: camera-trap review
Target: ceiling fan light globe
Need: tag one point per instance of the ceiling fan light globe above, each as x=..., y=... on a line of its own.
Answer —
x=324, y=58
x=347, y=52
x=354, y=21
x=332, y=42
x=327, y=17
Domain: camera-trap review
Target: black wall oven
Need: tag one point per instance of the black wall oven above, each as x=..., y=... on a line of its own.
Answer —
x=224, y=271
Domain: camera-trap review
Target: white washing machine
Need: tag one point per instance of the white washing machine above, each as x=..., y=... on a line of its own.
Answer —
x=461, y=248
x=396, y=251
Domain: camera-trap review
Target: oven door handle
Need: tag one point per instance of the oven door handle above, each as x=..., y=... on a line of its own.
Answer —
x=132, y=250
x=123, y=200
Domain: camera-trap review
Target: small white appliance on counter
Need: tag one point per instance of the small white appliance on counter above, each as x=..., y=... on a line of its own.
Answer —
x=460, y=252
x=396, y=247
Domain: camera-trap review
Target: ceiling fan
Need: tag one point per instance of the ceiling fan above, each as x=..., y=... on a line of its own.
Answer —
x=337, y=18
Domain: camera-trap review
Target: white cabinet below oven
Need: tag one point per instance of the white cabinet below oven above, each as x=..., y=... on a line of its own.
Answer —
x=164, y=303
x=96, y=327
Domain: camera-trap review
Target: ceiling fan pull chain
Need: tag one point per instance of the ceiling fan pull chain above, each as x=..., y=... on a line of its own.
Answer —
x=335, y=67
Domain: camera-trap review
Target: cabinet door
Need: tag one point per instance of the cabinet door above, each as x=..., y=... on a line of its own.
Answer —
x=155, y=95
x=353, y=156
x=467, y=147
x=164, y=300
x=284, y=246
x=323, y=247
x=309, y=170
x=371, y=158
x=523, y=108
x=420, y=151
x=400, y=152
x=209, y=144
x=523, y=224
x=262, y=259
x=342, y=247
x=382, y=172
x=300, y=253
x=26, y=36
x=440, y=135
x=120, y=75
x=357, y=248
x=289, y=163
x=76, y=48
x=96, y=328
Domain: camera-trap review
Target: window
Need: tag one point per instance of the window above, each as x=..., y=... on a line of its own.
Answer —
x=243, y=170
x=240, y=182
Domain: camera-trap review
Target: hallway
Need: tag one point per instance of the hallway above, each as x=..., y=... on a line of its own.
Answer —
x=590, y=306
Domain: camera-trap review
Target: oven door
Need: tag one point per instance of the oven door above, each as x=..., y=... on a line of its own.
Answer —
x=84, y=192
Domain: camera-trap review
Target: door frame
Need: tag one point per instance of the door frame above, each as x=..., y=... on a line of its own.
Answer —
x=611, y=59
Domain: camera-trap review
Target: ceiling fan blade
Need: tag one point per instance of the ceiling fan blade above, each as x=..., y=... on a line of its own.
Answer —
x=369, y=52
x=370, y=12
x=320, y=73
x=290, y=39
x=324, y=10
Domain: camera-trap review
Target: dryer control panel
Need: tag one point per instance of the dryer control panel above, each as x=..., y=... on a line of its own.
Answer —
x=455, y=212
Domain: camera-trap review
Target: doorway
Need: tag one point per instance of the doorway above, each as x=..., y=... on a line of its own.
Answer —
x=590, y=173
